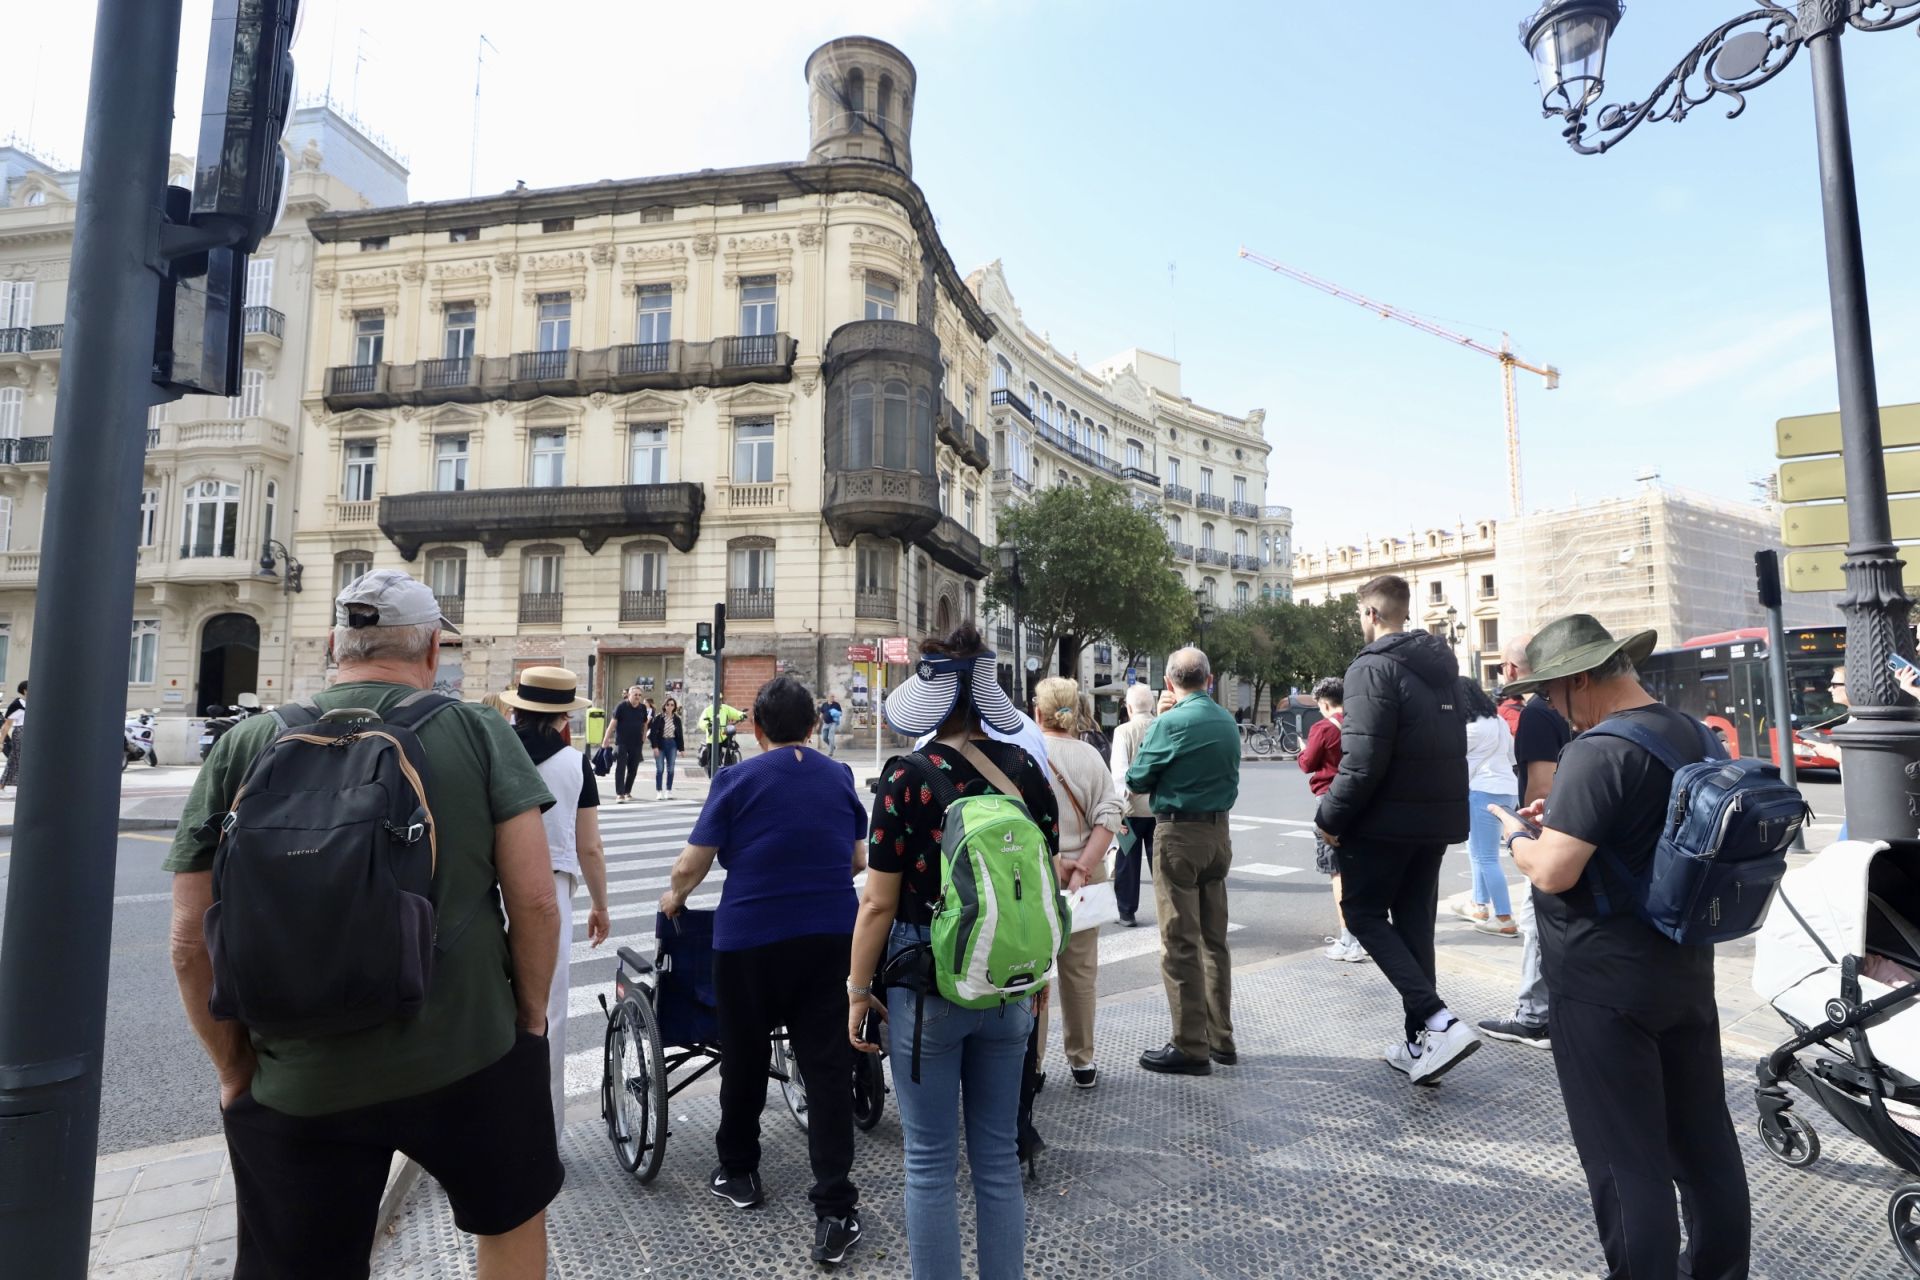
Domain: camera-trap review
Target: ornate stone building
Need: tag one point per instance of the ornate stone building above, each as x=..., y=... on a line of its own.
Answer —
x=208, y=626
x=588, y=414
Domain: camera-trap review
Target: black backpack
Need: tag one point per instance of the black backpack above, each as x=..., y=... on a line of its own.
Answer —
x=322, y=920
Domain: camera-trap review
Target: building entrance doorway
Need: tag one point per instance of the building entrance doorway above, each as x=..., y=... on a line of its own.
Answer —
x=659, y=675
x=229, y=662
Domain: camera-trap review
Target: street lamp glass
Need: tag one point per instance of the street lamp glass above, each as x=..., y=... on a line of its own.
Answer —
x=1568, y=41
x=1009, y=560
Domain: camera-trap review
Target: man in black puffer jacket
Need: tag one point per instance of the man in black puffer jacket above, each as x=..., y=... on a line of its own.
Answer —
x=1398, y=801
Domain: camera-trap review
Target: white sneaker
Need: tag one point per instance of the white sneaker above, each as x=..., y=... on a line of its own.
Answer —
x=669, y=794
x=1440, y=1051
x=1354, y=953
x=1399, y=1056
x=1337, y=951
x=659, y=795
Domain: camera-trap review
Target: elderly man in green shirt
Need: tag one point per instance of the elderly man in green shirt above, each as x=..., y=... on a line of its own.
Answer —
x=1190, y=765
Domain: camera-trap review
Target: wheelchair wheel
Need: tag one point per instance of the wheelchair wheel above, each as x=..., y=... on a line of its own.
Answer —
x=869, y=1090
x=1903, y=1219
x=1796, y=1145
x=633, y=1089
x=786, y=1069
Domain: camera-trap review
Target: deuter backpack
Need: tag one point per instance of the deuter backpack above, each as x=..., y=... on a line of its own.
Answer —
x=323, y=919
x=1723, y=845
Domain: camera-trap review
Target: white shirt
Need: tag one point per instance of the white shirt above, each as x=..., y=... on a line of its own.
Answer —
x=1490, y=756
x=561, y=772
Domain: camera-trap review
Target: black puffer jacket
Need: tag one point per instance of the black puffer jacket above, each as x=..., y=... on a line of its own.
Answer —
x=1403, y=768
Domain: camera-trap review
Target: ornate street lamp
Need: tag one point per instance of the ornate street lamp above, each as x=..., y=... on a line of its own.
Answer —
x=1453, y=627
x=274, y=549
x=1568, y=42
x=1202, y=612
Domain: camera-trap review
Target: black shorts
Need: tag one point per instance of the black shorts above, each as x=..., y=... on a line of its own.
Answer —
x=307, y=1188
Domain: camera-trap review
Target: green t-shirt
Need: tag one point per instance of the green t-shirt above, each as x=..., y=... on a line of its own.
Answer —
x=478, y=775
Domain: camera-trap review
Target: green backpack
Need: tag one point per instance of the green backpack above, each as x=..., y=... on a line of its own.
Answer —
x=1002, y=919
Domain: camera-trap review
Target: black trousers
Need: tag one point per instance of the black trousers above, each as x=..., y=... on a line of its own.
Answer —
x=1126, y=867
x=1647, y=1103
x=1390, y=893
x=799, y=984
x=626, y=763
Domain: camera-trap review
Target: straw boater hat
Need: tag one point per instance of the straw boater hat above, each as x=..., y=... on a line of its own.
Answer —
x=1576, y=643
x=928, y=697
x=549, y=689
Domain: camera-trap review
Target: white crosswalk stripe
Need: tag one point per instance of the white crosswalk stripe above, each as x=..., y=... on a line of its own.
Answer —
x=1264, y=869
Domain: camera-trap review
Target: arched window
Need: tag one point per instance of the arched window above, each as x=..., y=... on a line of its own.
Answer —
x=923, y=431
x=1100, y=442
x=1240, y=542
x=856, y=101
x=883, y=106
x=212, y=519
x=643, y=582
x=1207, y=588
x=1136, y=455
x=1002, y=373
x=1174, y=529
x=1242, y=594
x=896, y=445
x=860, y=424
x=1206, y=537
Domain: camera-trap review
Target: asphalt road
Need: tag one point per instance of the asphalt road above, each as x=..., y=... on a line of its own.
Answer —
x=158, y=1087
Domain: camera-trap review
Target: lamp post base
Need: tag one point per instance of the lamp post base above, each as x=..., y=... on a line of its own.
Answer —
x=1880, y=772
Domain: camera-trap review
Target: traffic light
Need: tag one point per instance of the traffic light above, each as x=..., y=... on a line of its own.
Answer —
x=241, y=174
x=719, y=627
x=703, y=639
x=1766, y=572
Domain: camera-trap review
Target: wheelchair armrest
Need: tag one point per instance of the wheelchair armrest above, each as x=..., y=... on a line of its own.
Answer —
x=635, y=961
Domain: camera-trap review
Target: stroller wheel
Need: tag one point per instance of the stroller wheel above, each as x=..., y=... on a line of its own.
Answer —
x=1796, y=1145
x=1903, y=1219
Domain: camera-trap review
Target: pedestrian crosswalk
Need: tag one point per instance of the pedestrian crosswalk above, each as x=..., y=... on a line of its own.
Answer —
x=641, y=844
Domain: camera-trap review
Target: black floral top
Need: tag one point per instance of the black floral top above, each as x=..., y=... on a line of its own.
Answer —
x=906, y=832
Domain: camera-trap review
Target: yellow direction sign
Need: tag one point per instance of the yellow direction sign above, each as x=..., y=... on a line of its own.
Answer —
x=1813, y=486
x=1820, y=570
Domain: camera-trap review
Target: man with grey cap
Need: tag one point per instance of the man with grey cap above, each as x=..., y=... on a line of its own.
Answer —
x=1636, y=1029
x=312, y=1122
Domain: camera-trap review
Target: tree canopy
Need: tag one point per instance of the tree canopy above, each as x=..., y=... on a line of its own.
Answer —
x=1094, y=567
x=1284, y=644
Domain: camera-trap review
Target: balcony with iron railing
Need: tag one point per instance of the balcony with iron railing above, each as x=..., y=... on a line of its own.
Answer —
x=1140, y=475
x=881, y=502
x=453, y=608
x=1245, y=563
x=24, y=450
x=1177, y=493
x=591, y=513
x=955, y=547
x=541, y=606
x=37, y=340
x=1078, y=450
x=1209, y=502
x=643, y=606
x=1182, y=550
x=1003, y=642
x=1210, y=555
x=263, y=322
x=1004, y=399
x=1244, y=510
x=749, y=602
x=526, y=375
x=877, y=602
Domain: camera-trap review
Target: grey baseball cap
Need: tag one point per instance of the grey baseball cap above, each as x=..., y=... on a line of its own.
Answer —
x=397, y=600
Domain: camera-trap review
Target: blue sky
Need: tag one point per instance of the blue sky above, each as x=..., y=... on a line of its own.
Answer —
x=1679, y=282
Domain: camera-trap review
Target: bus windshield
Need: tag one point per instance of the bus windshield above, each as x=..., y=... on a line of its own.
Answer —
x=1813, y=702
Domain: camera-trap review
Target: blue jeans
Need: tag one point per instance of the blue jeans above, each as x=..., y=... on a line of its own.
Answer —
x=827, y=728
x=972, y=1057
x=663, y=766
x=1483, y=846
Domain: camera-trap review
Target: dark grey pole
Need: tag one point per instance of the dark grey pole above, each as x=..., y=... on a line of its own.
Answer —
x=1882, y=739
x=59, y=921
x=1779, y=695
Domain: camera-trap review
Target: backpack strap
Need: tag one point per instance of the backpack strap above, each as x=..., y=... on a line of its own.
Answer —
x=417, y=708
x=1660, y=748
x=296, y=715
x=933, y=775
x=991, y=772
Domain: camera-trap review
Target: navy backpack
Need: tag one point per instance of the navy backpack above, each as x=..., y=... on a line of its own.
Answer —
x=1723, y=846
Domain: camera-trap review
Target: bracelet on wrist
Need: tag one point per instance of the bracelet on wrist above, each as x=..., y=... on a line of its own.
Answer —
x=859, y=991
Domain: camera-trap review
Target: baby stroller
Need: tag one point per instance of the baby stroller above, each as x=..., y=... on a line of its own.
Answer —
x=1839, y=959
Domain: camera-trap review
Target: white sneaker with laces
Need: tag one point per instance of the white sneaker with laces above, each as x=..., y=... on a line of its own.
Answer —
x=1399, y=1056
x=1337, y=951
x=1354, y=953
x=1441, y=1051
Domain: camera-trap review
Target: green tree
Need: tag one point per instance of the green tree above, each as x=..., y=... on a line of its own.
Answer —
x=1245, y=644
x=1094, y=567
x=1315, y=640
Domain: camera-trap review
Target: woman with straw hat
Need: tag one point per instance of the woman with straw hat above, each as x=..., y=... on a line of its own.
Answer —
x=543, y=701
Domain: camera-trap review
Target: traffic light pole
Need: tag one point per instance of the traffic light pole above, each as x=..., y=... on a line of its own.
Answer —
x=59, y=913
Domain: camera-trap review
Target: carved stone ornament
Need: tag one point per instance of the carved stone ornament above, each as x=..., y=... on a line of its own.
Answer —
x=407, y=411
x=705, y=243
x=598, y=399
x=602, y=253
x=506, y=263
x=323, y=281
x=811, y=234
x=655, y=252
x=808, y=382
x=470, y=269
x=501, y=406
x=556, y=261
x=700, y=395
x=413, y=271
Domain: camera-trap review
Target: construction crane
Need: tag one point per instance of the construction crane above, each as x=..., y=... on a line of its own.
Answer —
x=1503, y=353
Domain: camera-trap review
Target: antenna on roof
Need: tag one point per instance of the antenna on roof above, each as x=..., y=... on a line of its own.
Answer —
x=479, y=60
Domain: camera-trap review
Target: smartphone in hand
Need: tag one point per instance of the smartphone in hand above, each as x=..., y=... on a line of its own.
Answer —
x=1532, y=826
x=1900, y=666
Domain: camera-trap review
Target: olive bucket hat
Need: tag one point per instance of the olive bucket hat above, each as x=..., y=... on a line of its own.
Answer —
x=1576, y=643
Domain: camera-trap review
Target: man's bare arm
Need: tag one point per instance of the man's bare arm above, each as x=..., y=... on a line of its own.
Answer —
x=525, y=869
x=226, y=1043
x=1539, y=781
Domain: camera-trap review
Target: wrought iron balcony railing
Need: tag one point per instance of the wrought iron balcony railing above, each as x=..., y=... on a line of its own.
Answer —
x=264, y=320
x=745, y=602
x=1209, y=502
x=643, y=606
x=1177, y=493
x=879, y=602
x=541, y=606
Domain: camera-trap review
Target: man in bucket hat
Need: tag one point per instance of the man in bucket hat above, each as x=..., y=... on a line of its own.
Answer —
x=1636, y=1031
x=312, y=1122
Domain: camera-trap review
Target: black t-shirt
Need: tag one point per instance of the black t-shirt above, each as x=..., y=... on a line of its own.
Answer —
x=905, y=834
x=629, y=723
x=1542, y=734
x=1613, y=795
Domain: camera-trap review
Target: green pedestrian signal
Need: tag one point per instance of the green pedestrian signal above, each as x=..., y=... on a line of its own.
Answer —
x=703, y=639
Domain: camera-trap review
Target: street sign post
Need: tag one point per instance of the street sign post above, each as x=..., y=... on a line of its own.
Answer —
x=859, y=653
x=897, y=650
x=1813, y=475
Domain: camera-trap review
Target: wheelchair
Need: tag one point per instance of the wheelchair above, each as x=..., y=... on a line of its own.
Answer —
x=663, y=1034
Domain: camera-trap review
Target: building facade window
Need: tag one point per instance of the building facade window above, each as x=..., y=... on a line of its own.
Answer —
x=883, y=297
x=13, y=408
x=1135, y=455
x=447, y=575
x=1206, y=481
x=462, y=330
x=1239, y=488
x=542, y=584
x=143, y=656
x=1240, y=542
x=253, y=395
x=1489, y=633
x=750, y=578
x=1175, y=530
x=1436, y=593
x=1002, y=373
x=6, y=523
x=971, y=504
x=759, y=307
x=356, y=484
x=647, y=454
x=369, y=337
x=554, y=331
x=548, y=468
x=349, y=565
x=260, y=282
x=1487, y=591
x=753, y=452
x=269, y=513
x=1206, y=537
x=653, y=322
x=966, y=404
x=212, y=523
x=896, y=444
x=1242, y=594
x=450, y=463
x=149, y=517
x=643, y=567
x=1173, y=471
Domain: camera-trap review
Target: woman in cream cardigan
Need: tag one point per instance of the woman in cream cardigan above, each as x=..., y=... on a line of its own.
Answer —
x=1092, y=813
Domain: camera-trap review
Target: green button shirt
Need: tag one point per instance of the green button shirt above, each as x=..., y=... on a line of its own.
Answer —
x=1190, y=760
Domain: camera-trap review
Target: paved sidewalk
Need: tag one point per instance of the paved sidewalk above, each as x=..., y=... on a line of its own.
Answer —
x=163, y=1213
x=1311, y=1159
x=151, y=799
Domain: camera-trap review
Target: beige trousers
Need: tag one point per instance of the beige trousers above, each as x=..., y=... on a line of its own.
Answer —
x=1075, y=979
x=1191, y=860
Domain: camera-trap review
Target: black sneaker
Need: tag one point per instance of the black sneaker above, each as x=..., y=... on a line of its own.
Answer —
x=741, y=1190
x=1085, y=1077
x=1533, y=1036
x=833, y=1237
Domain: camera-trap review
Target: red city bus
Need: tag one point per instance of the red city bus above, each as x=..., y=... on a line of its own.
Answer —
x=1722, y=680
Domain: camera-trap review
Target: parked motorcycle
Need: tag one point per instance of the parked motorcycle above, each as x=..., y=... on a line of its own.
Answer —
x=216, y=727
x=138, y=741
